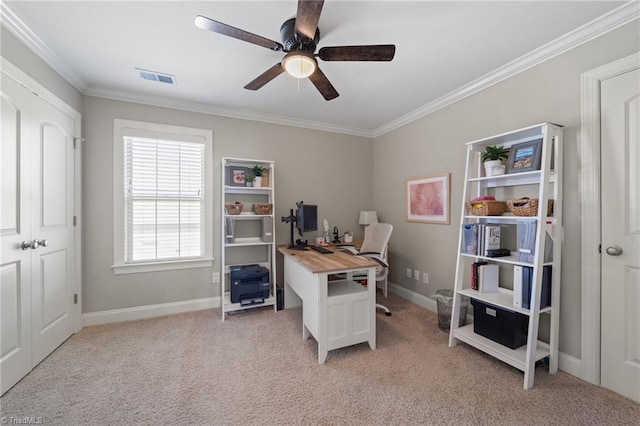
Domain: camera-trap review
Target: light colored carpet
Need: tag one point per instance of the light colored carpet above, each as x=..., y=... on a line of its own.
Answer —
x=255, y=368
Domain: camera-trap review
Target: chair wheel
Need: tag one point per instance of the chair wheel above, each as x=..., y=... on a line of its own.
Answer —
x=388, y=314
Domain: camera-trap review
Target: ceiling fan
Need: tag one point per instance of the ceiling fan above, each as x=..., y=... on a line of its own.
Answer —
x=300, y=36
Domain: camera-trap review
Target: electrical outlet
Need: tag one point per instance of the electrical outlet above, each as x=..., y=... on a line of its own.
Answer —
x=408, y=272
x=216, y=277
x=425, y=278
x=416, y=275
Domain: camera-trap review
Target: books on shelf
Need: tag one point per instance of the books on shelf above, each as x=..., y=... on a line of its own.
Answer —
x=523, y=286
x=479, y=238
x=488, y=278
x=484, y=277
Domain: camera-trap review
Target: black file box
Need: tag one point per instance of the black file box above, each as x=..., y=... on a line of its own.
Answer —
x=506, y=327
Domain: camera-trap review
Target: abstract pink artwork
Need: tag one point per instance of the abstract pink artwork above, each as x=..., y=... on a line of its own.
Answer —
x=428, y=199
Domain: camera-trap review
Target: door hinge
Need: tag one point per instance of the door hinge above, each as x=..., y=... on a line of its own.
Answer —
x=75, y=142
x=599, y=248
x=75, y=298
x=75, y=220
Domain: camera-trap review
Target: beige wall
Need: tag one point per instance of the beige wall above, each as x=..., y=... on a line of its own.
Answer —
x=548, y=92
x=19, y=55
x=327, y=169
x=343, y=174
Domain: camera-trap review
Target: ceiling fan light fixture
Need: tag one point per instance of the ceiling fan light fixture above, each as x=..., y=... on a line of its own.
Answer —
x=300, y=64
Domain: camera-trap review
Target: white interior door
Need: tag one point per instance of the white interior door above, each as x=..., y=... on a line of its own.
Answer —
x=15, y=227
x=52, y=198
x=37, y=257
x=620, y=298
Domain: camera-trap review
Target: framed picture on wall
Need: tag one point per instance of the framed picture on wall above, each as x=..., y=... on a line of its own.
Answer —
x=524, y=157
x=236, y=176
x=427, y=199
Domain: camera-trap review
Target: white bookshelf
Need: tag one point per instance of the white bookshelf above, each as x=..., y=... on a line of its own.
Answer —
x=544, y=184
x=242, y=241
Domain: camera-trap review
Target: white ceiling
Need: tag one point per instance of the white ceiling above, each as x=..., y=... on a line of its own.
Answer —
x=441, y=48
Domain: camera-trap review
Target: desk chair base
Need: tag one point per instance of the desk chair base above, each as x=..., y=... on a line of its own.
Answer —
x=386, y=310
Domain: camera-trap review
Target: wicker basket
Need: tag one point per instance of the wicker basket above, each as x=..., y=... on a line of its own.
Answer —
x=486, y=208
x=261, y=208
x=527, y=207
x=234, y=208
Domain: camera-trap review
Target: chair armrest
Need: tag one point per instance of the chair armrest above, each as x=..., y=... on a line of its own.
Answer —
x=376, y=257
x=350, y=249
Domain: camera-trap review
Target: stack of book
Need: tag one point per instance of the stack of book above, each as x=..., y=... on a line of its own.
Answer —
x=523, y=286
x=479, y=238
x=484, y=277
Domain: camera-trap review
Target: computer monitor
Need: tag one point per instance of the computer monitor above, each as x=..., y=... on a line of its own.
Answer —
x=306, y=218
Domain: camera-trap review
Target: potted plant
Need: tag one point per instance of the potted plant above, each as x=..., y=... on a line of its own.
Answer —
x=249, y=178
x=492, y=158
x=257, y=172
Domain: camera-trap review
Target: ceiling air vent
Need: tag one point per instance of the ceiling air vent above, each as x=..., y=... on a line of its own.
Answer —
x=156, y=76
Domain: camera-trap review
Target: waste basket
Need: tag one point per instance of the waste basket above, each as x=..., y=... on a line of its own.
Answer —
x=444, y=300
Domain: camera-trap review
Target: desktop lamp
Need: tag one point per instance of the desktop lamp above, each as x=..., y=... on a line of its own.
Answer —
x=367, y=218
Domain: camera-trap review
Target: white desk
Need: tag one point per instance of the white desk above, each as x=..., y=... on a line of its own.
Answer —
x=336, y=313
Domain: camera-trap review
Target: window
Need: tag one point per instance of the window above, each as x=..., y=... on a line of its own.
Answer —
x=162, y=197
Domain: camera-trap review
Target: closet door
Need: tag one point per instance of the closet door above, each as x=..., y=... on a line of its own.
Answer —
x=37, y=234
x=15, y=227
x=52, y=196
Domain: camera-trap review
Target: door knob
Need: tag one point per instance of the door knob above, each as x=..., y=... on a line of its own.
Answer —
x=25, y=245
x=614, y=251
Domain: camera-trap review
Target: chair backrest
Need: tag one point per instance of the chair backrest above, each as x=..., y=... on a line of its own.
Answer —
x=376, y=239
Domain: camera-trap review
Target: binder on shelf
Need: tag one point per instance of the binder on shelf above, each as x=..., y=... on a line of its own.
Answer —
x=229, y=230
x=527, y=273
x=267, y=230
x=523, y=286
x=526, y=236
x=470, y=239
x=488, y=278
x=517, y=285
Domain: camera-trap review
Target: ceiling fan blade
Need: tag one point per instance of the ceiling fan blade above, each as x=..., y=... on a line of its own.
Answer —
x=378, y=52
x=220, y=28
x=323, y=85
x=265, y=77
x=307, y=17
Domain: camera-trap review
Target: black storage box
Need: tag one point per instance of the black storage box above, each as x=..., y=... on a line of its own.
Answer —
x=500, y=325
x=249, y=283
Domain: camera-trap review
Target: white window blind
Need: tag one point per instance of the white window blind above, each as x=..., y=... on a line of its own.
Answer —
x=164, y=206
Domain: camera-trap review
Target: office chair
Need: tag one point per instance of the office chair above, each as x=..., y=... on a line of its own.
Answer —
x=374, y=246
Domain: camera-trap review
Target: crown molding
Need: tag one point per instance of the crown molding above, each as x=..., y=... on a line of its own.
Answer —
x=14, y=24
x=226, y=112
x=616, y=18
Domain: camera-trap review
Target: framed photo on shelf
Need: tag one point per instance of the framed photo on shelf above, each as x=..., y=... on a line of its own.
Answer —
x=427, y=199
x=524, y=157
x=237, y=176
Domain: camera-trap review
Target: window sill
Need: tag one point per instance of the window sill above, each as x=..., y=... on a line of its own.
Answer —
x=135, y=268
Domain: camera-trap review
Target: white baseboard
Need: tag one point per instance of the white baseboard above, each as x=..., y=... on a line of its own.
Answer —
x=413, y=297
x=566, y=363
x=149, y=311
